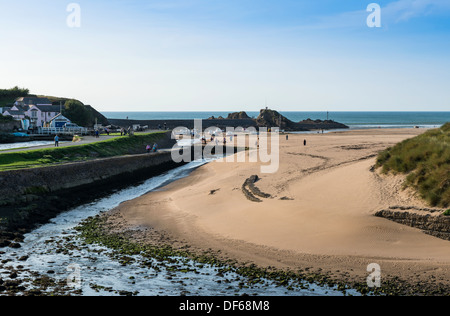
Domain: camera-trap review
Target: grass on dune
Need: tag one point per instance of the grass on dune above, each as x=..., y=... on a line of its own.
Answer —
x=426, y=161
x=108, y=148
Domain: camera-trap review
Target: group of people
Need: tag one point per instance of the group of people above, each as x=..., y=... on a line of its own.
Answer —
x=125, y=132
x=153, y=149
x=160, y=127
x=216, y=140
x=304, y=142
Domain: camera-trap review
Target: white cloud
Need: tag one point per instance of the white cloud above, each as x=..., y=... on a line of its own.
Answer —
x=404, y=10
x=394, y=12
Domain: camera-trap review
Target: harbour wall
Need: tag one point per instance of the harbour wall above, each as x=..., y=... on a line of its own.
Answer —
x=30, y=197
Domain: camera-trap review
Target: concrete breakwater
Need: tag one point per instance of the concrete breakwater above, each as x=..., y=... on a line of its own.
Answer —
x=172, y=124
x=307, y=125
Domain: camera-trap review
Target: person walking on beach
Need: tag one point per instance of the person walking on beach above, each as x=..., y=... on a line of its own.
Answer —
x=56, y=141
x=304, y=142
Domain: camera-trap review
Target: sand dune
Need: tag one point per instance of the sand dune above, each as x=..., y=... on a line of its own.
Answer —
x=320, y=214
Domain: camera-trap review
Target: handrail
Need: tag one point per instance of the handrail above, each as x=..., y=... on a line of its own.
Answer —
x=62, y=130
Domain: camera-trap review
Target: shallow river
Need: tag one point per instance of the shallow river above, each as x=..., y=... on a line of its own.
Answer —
x=25, y=145
x=94, y=272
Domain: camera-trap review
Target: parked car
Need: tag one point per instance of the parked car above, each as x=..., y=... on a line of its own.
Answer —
x=71, y=125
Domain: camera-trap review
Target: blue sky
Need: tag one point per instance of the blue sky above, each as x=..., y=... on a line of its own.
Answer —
x=200, y=55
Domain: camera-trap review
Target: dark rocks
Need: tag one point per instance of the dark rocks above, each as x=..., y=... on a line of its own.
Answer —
x=251, y=192
x=437, y=226
x=270, y=118
x=267, y=118
x=238, y=116
x=4, y=243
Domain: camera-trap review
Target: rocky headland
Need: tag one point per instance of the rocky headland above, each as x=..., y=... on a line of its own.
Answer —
x=267, y=118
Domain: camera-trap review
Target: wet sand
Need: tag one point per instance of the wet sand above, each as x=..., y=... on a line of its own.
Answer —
x=319, y=216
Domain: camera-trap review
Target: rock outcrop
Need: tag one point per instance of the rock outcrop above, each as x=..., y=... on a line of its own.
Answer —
x=238, y=116
x=267, y=118
x=437, y=226
x=270, y=118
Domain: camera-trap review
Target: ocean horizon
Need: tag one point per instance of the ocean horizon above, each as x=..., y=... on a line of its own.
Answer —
x=353, y=119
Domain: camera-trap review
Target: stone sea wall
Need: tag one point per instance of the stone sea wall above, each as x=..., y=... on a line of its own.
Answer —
x=438, y=226
x=33, y=196
x=20, y=183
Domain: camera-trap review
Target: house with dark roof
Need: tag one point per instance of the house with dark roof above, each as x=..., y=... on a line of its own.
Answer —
x=28, y=101
x=16, y=114
x=40, y=115
x=38, y=110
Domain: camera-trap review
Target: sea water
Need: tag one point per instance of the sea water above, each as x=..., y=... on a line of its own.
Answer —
x=101, y=274
x=355, y=120
x=25, y=145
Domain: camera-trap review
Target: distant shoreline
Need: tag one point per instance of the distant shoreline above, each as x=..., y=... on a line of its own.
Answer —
x=352, y=119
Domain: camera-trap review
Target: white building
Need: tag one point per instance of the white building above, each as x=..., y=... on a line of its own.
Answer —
x=39, y=111
x=40, y=115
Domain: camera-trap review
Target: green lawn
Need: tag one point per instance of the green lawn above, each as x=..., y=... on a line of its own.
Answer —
x=108, y=148
x=425, y=160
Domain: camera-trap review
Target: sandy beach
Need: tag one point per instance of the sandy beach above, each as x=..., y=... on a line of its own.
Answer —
x=320, y=215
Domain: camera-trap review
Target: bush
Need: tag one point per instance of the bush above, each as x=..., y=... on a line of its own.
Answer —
x=82, y=115
x=6, y=118
x=426, y=161
x=10, y=95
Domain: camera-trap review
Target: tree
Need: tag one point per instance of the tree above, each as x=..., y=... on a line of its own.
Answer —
x=77, y=113
x=82, y=115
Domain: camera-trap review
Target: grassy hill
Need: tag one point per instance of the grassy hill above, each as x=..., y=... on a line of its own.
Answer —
x=75, y=110
x=425, y=160
x=8, y=96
